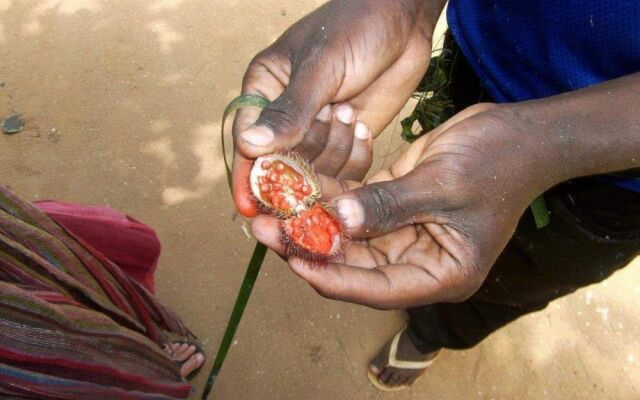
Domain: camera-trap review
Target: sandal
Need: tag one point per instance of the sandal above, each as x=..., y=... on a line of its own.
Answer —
x=400, y=364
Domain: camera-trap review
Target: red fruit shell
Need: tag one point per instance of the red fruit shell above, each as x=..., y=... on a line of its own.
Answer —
x=315, y=235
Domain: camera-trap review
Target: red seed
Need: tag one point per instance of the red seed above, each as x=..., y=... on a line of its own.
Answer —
x=297, y=186
x=306, y=189
x=273, y=178
x=265, y=187
x=265, y=165
x=279, y=167
x=299, y=196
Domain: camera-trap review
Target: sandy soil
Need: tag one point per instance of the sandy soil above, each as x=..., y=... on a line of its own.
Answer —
x=122, y=102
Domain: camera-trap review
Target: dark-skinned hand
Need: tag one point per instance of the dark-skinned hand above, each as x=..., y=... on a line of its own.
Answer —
x=369, y=54
x=429, y=228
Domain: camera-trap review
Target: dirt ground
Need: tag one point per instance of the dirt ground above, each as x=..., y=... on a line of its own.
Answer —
x=122, y=102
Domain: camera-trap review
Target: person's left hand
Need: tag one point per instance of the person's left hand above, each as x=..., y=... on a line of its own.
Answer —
x=435, y=221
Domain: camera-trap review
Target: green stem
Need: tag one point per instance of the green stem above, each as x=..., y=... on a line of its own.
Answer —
x=257, y=257
x=238, y=309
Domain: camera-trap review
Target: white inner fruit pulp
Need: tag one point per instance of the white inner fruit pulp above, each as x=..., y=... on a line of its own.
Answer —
x=288, y=193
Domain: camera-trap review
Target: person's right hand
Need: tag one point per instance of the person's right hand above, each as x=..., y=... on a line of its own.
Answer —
x=370, y=54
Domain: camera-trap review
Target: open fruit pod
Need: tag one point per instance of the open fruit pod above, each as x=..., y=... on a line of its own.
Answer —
x=286, y=187
x=283, y=185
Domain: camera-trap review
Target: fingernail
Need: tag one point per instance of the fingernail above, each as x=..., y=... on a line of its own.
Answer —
x=344, y=113
x=361, y=131
x=351, y=212
x=258, y=136
x=325, y=114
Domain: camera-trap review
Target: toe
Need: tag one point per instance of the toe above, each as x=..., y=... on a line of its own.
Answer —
x=183, y=356
x=409, y=379
x=386, y=376
x=182, y=348
x=193, y=363
x=380, y=361
x=396, y=379
x=374, y=369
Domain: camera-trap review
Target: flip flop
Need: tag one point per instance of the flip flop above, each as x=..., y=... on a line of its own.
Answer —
x=400, y=364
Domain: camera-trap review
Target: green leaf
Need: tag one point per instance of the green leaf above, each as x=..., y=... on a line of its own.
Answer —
x=255, y=263
x=236, y=315
x=407, y=128
x=540, y=212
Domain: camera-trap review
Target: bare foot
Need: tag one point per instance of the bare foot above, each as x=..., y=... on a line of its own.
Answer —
x=393, y=377
x=186, y=355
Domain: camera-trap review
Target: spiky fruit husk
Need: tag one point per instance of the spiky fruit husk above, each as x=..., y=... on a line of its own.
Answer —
x=286, y=186
x=316, y=235
x=283, y=184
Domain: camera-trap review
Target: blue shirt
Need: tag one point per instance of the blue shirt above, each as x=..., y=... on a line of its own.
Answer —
x=525, y=50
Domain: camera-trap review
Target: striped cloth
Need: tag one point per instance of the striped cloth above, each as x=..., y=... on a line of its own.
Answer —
x=72, y=324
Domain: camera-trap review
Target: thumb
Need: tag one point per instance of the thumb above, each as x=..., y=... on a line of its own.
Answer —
x=382, y=207
x=283, y=123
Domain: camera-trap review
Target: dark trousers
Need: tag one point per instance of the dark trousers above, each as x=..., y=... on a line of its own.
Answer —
x=594, y=231
x=537, y=266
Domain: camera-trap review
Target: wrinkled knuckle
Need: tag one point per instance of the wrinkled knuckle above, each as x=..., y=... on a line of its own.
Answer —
x=262, y=59
x=259, y=66
x=281, y=116
x=381, y=204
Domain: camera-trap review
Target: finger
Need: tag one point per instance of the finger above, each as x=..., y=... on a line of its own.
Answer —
x=283, y=123
x=267, y=231
x=332, y=187
x=386, y=206
x=338, y=148
x=264, y=84
x=241, y=190
x=385, y=287
x=361, y=155
x=315, y=140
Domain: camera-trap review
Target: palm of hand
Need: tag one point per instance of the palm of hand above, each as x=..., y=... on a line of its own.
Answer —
x=445, y=231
